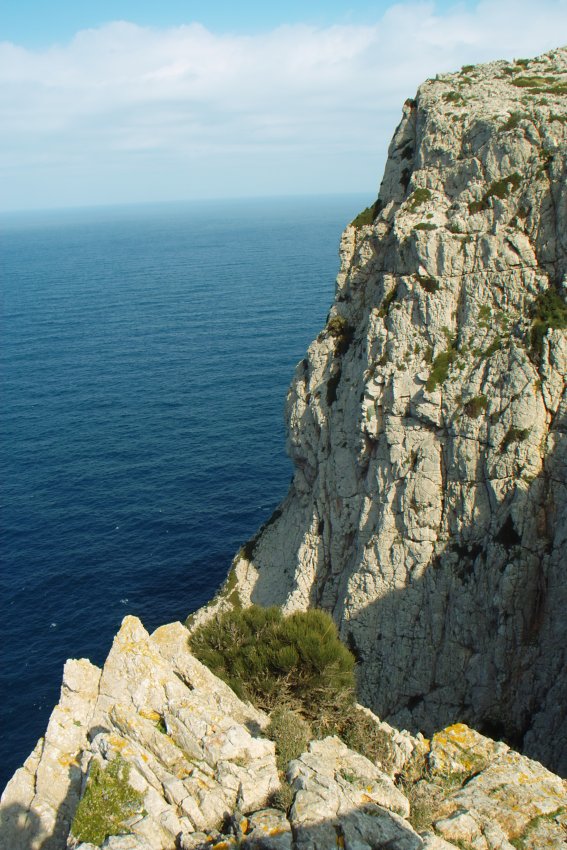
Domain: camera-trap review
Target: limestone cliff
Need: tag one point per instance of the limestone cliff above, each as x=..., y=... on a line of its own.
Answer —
x=428, y=509
x=428, y=512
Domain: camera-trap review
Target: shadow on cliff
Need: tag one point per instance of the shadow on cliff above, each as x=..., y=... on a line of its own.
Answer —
x=477, y=637
x=22, y=828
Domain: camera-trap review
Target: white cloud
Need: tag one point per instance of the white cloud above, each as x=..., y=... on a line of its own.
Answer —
x=125, y=112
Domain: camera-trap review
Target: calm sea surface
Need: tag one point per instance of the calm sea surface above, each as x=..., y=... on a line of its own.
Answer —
x=146, y=353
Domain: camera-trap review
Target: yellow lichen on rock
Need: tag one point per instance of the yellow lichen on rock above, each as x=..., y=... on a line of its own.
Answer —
x=460, y=751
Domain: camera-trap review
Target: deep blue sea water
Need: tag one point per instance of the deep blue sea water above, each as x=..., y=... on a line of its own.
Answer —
x=146, y=353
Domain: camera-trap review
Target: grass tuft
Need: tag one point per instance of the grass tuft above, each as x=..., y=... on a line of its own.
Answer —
x=497, y=189
x=474, y=407
x=514, y=435
x=513, y=121
x=109, y=800
x=342, y=332
x=417, y=198
x=441, y=366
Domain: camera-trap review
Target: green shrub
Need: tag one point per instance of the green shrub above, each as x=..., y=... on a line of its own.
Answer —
x=441, y=366
x=337, y=326
x=533, y=82
x=550, y=312
x=514, y=435
x=474, y=407
x=361, y=733
x=494, y=346
x=541, y=85
x=291, y=735
x=283, y=797
x=425, y=225
x=513, y=121
x=525, y=840
x=342, y=332
x=425, y=800
x=297, y=668
x=417, y=198
x=497, y=189
x=109, y=800
x=387, y=302
x=454, y=97
x=368, y=215
x=273, y=660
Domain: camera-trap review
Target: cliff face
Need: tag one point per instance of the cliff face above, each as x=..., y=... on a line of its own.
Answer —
x=428, y=512
x=428, y=509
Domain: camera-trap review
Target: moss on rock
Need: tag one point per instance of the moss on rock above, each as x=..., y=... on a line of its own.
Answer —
x=109, y=800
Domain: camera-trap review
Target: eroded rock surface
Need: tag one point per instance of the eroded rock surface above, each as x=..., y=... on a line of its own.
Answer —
x=197, y=772
x=427, y=423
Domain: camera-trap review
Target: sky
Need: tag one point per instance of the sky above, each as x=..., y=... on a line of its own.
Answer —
x=135, y=101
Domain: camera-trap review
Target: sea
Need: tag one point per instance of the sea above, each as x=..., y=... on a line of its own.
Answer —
x=146, y=353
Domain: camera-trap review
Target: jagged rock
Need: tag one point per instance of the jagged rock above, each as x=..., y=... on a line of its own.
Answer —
x=404, y=748
x=500, y=796
x=187, y=764
x=341, y=794
x=507, y=800
x=267, y=830
x=427, y=423
x=190, y=746
x=40, y=799
x=344, y=778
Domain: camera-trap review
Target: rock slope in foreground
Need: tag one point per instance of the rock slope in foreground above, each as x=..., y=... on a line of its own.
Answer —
x=427, y=423
x=196, y=771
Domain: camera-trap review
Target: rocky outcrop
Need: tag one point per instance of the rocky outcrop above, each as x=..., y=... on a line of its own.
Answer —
x=427, y=423
x=155, y=753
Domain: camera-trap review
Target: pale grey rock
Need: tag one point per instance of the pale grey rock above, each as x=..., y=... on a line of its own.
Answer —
x=359, y=829
x=432, y=520
x=192, y=747
x=340, y=794
x=404, y=747
x=267, y=830
x=171, y=641
x=38, y=803
x=347, y=776
x=196, y=841
x=122, y=842
x=435, y=842
x=504, y=797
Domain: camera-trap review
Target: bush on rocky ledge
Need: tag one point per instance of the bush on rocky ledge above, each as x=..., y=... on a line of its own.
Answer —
x=297, y=668
x=274, y=660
